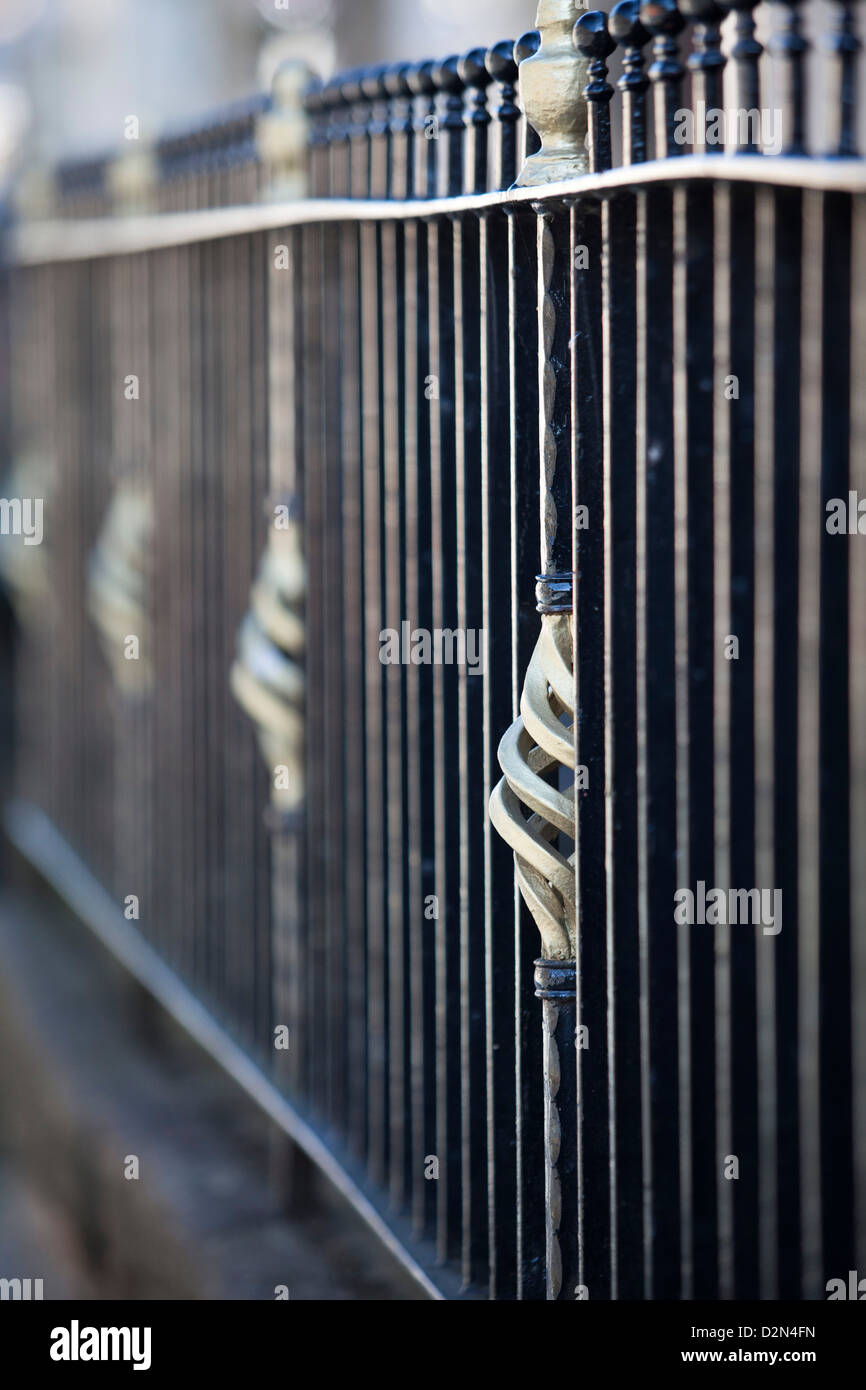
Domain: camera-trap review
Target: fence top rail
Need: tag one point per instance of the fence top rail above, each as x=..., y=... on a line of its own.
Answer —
x=38, y=243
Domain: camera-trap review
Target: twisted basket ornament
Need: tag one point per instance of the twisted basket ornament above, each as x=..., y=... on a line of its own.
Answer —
x=267, y=678
x=120, y=584
x=535, y=743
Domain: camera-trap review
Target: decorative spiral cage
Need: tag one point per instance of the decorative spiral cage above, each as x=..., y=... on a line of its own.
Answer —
x=267, y=678
x=120, y=582
x=536, y=745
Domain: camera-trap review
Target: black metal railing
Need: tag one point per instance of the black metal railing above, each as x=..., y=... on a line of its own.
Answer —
x=641, y=375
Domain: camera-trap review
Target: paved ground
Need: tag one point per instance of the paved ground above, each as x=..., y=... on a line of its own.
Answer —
x=35, y=1241
x=91, y=1073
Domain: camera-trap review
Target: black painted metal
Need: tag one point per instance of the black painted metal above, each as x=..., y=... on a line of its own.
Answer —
x=503, y=71
x=663, y=21
x=745, y=56
x=700, y=366
x=591, y=38
x=476, y=79
x=844, y=45
x=790, y=46
x=706, y=64
x=626, y=28
x=423, y=86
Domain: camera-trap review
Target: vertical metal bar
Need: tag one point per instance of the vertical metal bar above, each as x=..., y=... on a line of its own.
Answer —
x=808, y=749
x=462, y=241
x=196, y=693
x=469, y=408
x=351, y=94
x=394, y=609
x=417, y=917
x=706, y=65
x=401, y=130
x=745, y=54
x=857, y=639
x=503, y=71
x=559, y=988
x=423, y=87
x=325, y=514
x=684, y=507
x=447, y=826
x=524, y=505
x=626, y=28
x=844, y=46
x=696, y=645
x=722, y=699
x=595, y=1097
x=476, y=79
x=376, y=885
x=425, y=420
x=834, y=755
x=374, y=87
x=354, y=385
x=316, y=730
x=657, y=746
x=739, y=392
x=283, y=277
x=788, y=259
x=619, y=377
x=450, y=87
x=765, y=736
x=788, y=47
x=663, y=21
x=496, y=714
x=592, y=39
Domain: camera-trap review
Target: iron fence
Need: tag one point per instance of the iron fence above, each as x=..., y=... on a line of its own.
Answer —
x=428, y=471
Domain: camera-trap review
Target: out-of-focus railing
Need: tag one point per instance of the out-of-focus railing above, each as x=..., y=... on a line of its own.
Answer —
x=431, y=433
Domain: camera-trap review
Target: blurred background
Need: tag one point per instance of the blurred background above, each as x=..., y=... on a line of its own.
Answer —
x=71, y=71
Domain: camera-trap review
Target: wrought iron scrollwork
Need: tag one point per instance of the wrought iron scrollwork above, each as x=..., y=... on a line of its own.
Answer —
x=530, y=808
x=526, y=807
x=120, y=585
x=267, y=678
